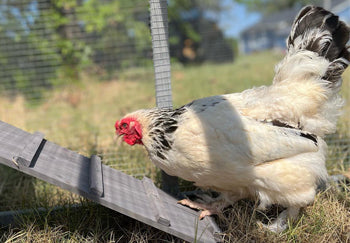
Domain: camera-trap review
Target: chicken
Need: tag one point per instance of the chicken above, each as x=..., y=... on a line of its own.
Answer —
x=264, y=143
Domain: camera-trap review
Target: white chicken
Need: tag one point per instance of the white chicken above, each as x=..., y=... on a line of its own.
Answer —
x=264, y=143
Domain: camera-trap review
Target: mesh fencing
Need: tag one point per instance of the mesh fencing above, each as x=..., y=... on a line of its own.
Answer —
x=46, y=45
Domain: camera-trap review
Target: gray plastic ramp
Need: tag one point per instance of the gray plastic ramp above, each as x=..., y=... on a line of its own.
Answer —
x=88, y=177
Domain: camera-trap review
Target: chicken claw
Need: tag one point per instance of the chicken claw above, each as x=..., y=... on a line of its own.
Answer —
x=208, y=209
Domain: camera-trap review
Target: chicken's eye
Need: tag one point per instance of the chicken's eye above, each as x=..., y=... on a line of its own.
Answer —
x=124, y=125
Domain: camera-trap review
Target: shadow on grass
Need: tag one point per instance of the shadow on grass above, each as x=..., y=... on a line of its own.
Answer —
x=85, y=222
x=16, y=189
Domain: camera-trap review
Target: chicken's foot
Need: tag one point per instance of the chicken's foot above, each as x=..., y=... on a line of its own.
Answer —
x=281, y=223
x=212, y=208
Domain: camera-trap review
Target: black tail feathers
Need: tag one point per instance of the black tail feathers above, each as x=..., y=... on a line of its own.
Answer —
x=318, y=30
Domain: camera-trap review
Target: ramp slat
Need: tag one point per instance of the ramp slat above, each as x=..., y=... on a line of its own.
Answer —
x=96, y=179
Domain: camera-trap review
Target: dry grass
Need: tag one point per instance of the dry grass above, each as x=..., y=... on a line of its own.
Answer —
x=327, y=220
x=81, y=117
x=88, y=223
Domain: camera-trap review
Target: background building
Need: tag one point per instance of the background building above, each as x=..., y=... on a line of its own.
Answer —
x=273, y=29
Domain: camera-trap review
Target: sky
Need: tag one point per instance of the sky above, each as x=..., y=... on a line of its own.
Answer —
x=236, y=18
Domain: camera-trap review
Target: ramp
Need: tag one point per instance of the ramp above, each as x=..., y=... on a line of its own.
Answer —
x=88, y=177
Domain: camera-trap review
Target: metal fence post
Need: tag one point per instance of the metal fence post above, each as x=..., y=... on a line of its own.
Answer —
x=161, y=62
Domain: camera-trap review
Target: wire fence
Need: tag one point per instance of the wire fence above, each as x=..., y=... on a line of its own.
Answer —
x=47, y=44
x=44, y=43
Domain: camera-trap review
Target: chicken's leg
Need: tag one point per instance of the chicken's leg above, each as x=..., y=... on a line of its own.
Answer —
x=281, y=223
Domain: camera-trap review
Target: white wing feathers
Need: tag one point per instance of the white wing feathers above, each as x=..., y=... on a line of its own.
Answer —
x=269, y=142
x=230, y=137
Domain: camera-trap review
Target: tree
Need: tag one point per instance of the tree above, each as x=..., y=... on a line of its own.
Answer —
x=46, y=42
x=194, y=33
x=24, y=55
x=121, y=28
x=37, y=44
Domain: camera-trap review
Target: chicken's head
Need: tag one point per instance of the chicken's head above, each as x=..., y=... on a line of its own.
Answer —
x=130, y=128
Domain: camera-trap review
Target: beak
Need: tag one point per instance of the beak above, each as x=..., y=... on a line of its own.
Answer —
x=116, y=139
x=117, y=136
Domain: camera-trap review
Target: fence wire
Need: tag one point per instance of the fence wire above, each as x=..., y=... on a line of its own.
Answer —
x=45, y=45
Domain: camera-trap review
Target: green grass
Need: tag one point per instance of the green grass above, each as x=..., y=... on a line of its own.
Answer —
x=81, y=117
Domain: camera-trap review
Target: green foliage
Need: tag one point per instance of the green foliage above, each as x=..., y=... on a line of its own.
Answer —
x=34, y=47
x=194, y=31
x=49, y=44
x=178, y=8
x=103, y=14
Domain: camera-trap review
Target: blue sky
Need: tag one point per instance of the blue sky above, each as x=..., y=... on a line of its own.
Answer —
x=236, y=18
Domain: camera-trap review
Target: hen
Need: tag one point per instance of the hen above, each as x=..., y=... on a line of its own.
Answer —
x=264, y=143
